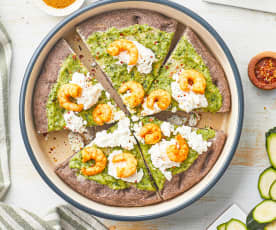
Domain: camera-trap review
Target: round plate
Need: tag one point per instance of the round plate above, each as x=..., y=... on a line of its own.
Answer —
x=37, y=147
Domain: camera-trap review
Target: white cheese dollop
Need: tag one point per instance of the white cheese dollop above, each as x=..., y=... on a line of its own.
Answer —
x=187, y=101
x=146, y=58
x=90, y=93
x=160, y=159
x=166, y=128
x=112, y=167
x=116, y=114
x=121, y=137
x=194, y=140
x=74, y=122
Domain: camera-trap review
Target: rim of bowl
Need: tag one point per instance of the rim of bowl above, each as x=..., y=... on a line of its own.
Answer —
x=237, y=79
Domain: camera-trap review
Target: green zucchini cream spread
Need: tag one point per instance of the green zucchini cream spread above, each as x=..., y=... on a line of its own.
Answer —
x=185, y=57
x=54, y=111
x=156, y=40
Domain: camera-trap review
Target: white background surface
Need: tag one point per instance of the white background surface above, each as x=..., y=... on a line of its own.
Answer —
x=246, y=33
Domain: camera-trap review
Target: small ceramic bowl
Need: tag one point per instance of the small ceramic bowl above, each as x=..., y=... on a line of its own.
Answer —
x=59, y=12
x=252, y=70
x=38, y=148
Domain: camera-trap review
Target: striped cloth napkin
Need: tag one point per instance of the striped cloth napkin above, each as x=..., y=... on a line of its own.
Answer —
x=13, y=218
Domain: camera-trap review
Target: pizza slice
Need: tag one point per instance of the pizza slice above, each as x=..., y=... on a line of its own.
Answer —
x=178, y=157
x=191, y=80
x=67, y=97
x=130, y=46
x=111, y=170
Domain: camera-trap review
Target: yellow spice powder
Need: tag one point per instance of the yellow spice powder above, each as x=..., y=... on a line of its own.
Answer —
x=59, y=4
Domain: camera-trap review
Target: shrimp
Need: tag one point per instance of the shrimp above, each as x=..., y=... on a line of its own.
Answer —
x=124, y=45
x=131, y=164
x=92, y=153
x=151, y=133
x=179, y=152
x=137, y=93
x=65, y=92
x=197, y=78
x=161, y=97
x=102, y=114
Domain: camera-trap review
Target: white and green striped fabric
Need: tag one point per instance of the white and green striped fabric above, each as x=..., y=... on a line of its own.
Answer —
x=12, y=218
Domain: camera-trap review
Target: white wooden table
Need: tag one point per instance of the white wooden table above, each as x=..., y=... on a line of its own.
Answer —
x=246, y=33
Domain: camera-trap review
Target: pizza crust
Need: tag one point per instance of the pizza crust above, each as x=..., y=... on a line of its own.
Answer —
x=131, y=197
x=125, y=18
x=47, y=78
x=214, y=67
x=204, y=163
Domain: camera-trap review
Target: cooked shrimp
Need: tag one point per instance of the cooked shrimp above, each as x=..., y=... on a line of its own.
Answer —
x=197, y=78
x=131, y=164
x=161, y=97
x=137, y=93
x=118, y=46
x=151, y=133
x=102, y=114
x=179, y=152
x=65, y=93
x=92, y=153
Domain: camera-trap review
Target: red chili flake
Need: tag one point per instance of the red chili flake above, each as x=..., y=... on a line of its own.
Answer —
x=166, y=67
x=181, y=64
x=155, y=42
x=121, y=34
x=151, y=56
x=150, y=119
x=45, y=134
x=74, y=57
x=80, y=56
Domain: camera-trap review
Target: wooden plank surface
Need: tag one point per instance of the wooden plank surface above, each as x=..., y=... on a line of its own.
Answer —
x=246, y=32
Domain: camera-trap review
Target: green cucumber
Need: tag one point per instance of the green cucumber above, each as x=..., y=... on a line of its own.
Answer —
x=271, y=146
x=271, y=226
x=235, y=224
x=266, y=178
x=272, y=191
x=221, y=226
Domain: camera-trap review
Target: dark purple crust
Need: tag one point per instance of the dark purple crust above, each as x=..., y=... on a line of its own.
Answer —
x=131, y=197
x=215, y=69
x=45, y=81
x=184, y=181
x=125, y=18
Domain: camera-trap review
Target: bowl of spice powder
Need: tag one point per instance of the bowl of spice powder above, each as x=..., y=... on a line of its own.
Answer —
x=59, y=8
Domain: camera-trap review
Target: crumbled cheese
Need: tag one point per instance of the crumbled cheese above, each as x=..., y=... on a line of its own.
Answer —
x=90, y=93
x=160, y=159
x=137, y=128
x=146, y=58
x=187, y=101
x=166, y=128
x=74, y=122
x=112, y=169
x=194, y=140
x=121, y=137
x=135, y=118
x=116, y=114
x=75, y=141
x=146, y=111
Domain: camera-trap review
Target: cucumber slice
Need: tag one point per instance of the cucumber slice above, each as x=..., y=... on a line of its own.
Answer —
x=235, y=224
x=271, y=226
x=266, y=178
x=271, y=146
x=272, y=191
x=221, y=227
x=252, y=224
x=265, y=212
